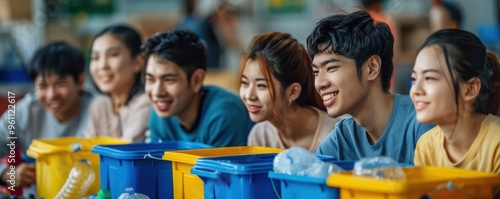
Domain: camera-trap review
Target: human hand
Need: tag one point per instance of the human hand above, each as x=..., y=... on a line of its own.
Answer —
x=25, y=175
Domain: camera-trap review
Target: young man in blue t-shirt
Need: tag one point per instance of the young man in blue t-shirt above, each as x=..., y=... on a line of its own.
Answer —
x=184, y=109
x=352, y=63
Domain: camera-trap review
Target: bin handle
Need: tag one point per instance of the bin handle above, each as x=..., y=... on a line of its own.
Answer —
x=452, y=187
x=151, y=156
x=274, y=188
x=206, y=173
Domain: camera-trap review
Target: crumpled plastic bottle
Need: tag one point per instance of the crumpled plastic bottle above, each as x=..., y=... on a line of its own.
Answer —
x=299, y=161
x=130, y=194
x=379, y=168
x=79, y=180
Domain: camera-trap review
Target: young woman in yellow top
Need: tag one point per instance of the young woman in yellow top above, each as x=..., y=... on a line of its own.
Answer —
x=456, y=86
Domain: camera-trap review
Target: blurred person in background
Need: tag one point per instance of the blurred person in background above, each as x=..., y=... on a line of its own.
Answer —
x=57, y=108
x=277, y=87
x=375, y=9
x=215, y=22
x=115, y=66
x=444, y=15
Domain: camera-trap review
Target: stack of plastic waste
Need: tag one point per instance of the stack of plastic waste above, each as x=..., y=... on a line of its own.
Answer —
x=379, y=168
x=299, y=161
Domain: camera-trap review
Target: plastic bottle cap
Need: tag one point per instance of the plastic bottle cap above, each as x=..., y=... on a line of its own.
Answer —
x=103, y=194
x=129, y=190
x=76, y=146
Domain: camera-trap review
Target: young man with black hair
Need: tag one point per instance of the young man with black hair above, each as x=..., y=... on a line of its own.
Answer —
x=352, y=63
x=57, y=108
x=185, y=109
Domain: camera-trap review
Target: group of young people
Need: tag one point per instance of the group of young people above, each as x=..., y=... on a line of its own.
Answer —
x=331, y=98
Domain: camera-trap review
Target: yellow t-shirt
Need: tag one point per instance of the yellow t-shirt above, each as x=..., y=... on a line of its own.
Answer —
x=483, y=155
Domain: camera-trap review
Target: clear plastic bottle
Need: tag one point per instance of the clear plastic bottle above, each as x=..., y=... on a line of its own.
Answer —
x=295, y=160
x=379, y=168
x=130, y=194
x=299, y=161
x=79, y=180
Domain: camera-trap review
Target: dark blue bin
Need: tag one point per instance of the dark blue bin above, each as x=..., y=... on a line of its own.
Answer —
x=123, y=166
x=242, y=177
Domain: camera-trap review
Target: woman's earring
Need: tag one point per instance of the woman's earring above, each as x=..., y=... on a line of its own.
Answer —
x=289, y=102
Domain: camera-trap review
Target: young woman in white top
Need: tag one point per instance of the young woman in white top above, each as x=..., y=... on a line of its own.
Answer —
x=116, y=66
x=277, y=86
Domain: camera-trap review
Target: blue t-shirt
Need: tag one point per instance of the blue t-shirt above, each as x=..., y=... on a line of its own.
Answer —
x=349, y=140
x=223, y=121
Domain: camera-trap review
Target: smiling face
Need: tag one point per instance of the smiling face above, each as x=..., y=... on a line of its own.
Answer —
x=432, y=89
x=59, y=94
x=255, y=93
x=112, y=67
x=336, y=81
x=167, y=87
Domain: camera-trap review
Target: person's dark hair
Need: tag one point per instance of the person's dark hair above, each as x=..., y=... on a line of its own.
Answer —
x=128, y=35
x=58, y=58
x=466, y=57
x=182, y=47
x=356, y=36
x=454, y=11
x=283, y=57
x=132, y=40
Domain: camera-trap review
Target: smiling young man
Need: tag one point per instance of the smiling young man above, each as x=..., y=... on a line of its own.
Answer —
x=185, y=109
x=352, y=63
x=57, y=108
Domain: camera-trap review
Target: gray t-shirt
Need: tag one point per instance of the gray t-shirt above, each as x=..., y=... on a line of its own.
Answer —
x=349, y=140
x=33, y=121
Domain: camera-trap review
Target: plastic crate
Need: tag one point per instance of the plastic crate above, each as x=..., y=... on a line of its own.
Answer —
x=420, y=182
x=56, y=157
x=187, y=185
x=129, y=165
x=305, y=187
x=244, y=177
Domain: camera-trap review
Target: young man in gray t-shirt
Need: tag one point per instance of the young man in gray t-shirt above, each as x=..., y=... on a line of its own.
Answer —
x=57, y=108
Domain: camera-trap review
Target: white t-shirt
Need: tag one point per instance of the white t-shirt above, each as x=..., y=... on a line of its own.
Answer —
x=265, y=133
